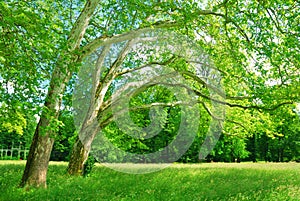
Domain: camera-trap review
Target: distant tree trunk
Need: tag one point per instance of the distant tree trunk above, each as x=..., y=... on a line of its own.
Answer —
x=35, y=172
x=253, y=151
x=280, y=150
x=266, y=148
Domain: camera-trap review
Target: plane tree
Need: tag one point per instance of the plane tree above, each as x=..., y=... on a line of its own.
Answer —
x=253, y=45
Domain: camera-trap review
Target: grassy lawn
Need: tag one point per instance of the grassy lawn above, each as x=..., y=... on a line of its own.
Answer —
x=216, y=181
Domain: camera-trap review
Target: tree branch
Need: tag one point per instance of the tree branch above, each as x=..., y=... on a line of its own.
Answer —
x=227, y=19
x=147, y=65
x=118, y=62
x=96, y=74
x=81, y=24
x=105, y=40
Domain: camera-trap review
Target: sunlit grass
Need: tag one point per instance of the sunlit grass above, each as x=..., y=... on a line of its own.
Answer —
x=213, y=181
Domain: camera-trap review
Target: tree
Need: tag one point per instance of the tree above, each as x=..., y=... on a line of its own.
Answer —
x=126, y=70
x=40, y=150
x=22, y=64
x=253, y=45
x=279, y=144
x=236, y=38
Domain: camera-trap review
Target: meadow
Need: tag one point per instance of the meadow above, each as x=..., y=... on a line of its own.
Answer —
x=213, y=181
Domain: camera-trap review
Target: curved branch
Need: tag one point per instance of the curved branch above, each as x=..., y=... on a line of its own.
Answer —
x=105, y=40
x=172, y=59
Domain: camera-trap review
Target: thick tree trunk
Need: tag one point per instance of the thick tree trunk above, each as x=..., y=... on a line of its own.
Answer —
x=78, y=157
x=37, y=163
x=39, y=154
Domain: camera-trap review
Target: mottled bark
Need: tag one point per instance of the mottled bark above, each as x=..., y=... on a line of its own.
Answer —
x=90, y=125
x=78, y=157
x=81, y=148
x=35, y=172
x=39, y=154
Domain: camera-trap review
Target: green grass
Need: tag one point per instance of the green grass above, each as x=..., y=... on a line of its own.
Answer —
x=216, y=181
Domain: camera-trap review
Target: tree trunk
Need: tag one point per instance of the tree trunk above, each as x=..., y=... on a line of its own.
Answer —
x=37, y=162
x=82, y=147
x=39, y=154
x=78, y=157
x=90, y=125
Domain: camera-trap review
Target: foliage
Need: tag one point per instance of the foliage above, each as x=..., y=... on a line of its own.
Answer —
x=65, y=138
x=253, y=82
x=88, y=166
x=15, y=122
x=16, y=126
x=281, y=146
x=28, y=50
